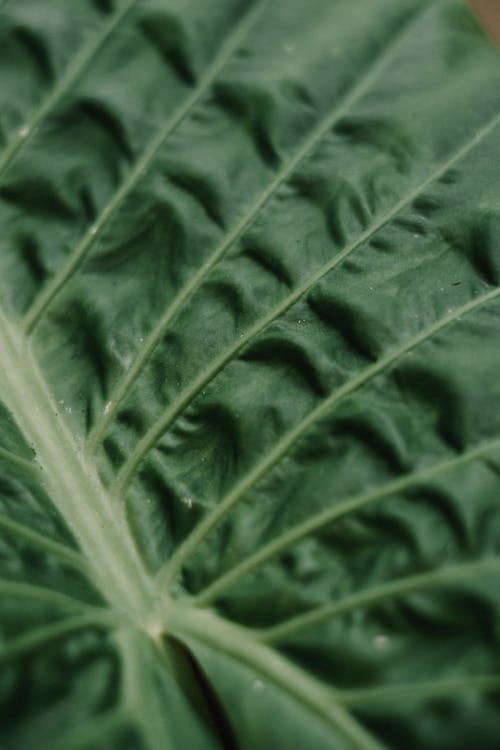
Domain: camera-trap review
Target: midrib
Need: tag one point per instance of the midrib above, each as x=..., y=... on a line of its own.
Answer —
x=73, y=483
x=108, y=548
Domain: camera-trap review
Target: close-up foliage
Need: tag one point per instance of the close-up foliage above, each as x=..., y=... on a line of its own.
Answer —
x=249, y=375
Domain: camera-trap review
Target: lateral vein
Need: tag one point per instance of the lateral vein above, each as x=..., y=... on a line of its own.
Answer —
x=29, y=641
x=343, y=508
x=73, y=557
x=420, y=690
x=290, y=438
x=238, y=643
x=318, y=133
x=73, y=72
x=19, y=461
x=94, y=232
x=155, y=432
x=51, y=596
x=383, y=592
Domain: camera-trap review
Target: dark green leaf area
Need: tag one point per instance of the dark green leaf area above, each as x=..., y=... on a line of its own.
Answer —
x=249, y=357
x=56, y=687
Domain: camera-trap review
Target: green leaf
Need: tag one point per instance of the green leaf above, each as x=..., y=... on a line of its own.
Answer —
x=249, y=356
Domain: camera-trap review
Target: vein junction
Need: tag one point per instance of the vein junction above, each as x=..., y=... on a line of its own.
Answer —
x=114, y=564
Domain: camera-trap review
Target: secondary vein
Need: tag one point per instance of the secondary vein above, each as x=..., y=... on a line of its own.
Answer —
x=39, y=637
x=343, y=508
x=73, y=72
x=420, y=690
x=49, y=292
x=182, y=401
x=383, y=592
x=51, y=596
x=238, y=643
x=124, y=385
x=290, y=438
x=44, y=542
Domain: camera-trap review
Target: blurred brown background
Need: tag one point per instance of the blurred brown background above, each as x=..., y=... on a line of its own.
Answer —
x=488, y=12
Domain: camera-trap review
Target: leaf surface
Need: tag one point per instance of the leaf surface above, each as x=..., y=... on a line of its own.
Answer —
x=249, y=394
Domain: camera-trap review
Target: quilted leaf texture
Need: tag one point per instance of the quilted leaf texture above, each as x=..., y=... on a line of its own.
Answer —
x=249, y=391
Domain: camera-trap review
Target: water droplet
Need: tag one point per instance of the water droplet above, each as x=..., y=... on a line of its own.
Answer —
x=93, y=230
x=108, y=406
x=258, y=686
x=188, y=501
x=380, y=641
x=141, y=340
x=24, y=131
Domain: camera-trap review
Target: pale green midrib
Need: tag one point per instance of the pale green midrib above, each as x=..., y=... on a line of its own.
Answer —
x=43, y=542
x=318, y=133
x=289, y=439
x=32, y=408
x=325, y=709
x=73, y=72
x=34, y=638
x=343, y=508
x=237, y=643
x=22, y=590
x=183, y=400
x=383, y=592
x=50, y=291
x=75, y=489
x=416, y=690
